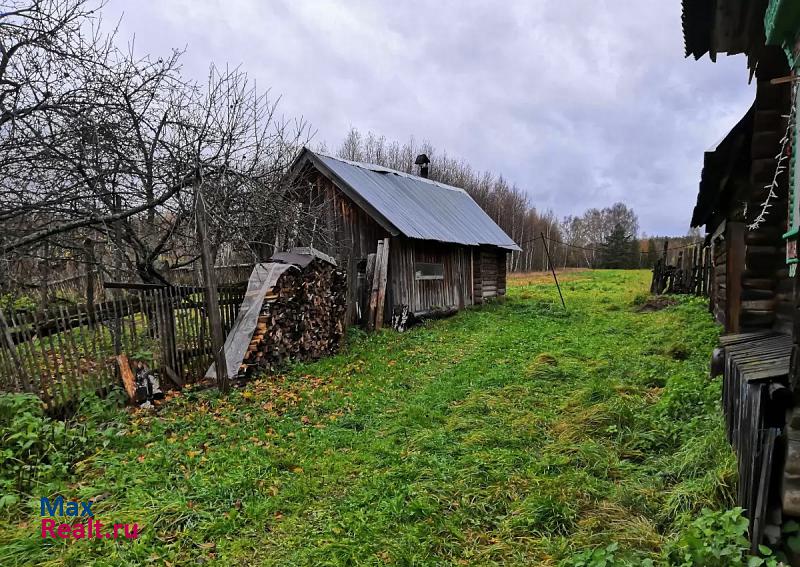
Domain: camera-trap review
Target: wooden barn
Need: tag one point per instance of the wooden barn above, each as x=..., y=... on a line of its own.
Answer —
x=411, y=246
x=748, y=202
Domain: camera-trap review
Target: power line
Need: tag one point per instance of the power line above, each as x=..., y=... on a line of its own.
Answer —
x=535, y=238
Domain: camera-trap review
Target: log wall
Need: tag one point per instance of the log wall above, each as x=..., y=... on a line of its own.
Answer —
x=766, y=297
x=751, y=285
x=489, y=273
x=719, y=288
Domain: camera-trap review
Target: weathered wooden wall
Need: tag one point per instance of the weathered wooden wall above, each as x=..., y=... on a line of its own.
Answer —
x=348, y=234
x=719, y=288
x=751, y=288
x=766, y=296
x=471, y=274
x=422, y=296
x=489, y=273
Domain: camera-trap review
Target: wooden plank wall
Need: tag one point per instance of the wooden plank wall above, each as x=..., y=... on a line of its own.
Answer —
x=421, y=296
x=349, y=235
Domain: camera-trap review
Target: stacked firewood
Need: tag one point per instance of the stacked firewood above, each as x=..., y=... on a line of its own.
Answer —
x=302, y=317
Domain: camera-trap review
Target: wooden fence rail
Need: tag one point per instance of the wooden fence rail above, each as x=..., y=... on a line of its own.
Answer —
x=690, y=274
x=61, y=351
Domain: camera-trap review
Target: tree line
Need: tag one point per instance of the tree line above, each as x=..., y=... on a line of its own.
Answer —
x=599, y=238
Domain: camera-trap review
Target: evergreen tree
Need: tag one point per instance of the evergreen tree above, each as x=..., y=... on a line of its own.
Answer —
x=617, y=250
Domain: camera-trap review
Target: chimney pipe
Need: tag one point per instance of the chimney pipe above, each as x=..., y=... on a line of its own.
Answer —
x=422, y=161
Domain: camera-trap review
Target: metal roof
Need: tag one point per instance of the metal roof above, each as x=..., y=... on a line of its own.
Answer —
x=413, y=206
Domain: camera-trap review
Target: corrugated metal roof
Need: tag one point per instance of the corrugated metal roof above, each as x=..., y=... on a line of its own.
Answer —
x=417, y=207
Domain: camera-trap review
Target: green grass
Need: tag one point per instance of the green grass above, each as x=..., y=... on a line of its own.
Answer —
x=513, y=434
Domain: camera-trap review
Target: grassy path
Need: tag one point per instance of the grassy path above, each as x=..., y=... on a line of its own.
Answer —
x=512, y=434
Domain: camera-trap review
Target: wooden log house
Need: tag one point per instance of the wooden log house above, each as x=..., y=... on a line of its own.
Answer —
x=427, y=247
x=750, y=285
x=754, y=250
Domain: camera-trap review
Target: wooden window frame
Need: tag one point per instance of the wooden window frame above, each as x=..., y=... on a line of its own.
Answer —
x=435, y=271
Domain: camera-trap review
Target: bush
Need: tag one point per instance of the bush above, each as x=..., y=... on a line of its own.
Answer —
x=39, y=451
x=32, y=446
x=716, y=539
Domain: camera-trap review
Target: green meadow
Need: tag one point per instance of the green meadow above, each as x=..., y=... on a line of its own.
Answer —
x=517, y=433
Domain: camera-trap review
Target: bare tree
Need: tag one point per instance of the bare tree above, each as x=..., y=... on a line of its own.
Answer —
x=103, y=145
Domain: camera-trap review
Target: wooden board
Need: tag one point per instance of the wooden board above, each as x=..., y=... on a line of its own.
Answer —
x=128, y=379
x=381, y=272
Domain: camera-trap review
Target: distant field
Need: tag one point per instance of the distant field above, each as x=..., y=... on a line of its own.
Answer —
x=513, y=434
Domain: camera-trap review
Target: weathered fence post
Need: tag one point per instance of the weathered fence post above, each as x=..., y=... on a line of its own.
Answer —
x=12, y=351
x=212, y=299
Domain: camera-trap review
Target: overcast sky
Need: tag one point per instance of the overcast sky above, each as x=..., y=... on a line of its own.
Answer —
x=579, y=103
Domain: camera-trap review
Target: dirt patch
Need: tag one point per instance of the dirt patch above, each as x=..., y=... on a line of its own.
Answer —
x=655, y=304
x=535, y=278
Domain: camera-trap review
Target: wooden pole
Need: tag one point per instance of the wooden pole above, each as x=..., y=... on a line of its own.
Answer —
x=552, y=269
x=212, y=298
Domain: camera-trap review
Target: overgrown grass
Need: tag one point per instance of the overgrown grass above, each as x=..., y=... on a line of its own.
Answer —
x=513, y=434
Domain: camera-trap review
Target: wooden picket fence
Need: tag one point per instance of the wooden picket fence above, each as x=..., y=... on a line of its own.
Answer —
x=687, y=269
x=61, y=351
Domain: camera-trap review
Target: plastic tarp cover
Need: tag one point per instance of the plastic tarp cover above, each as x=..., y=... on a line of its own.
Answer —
x=263, y=277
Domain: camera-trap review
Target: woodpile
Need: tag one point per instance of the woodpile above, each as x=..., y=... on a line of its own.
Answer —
x=302, y=317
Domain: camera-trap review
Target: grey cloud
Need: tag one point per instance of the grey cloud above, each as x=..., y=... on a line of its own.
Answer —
x=579, y=103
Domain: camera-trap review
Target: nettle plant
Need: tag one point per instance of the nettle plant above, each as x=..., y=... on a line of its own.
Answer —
x=38, y=451
x=714, y=539
x=718, y=539
x=31, y=444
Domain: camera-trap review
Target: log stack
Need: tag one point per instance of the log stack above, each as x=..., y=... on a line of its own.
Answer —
x=302, y=317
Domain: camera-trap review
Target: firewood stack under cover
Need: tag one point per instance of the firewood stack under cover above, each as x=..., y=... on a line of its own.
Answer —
x=302, y=317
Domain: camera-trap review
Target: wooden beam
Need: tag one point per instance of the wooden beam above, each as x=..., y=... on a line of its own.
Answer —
x=128, y=379
x=373, y=289
x=131, y=285
x=369, y=276
x=383, y=274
